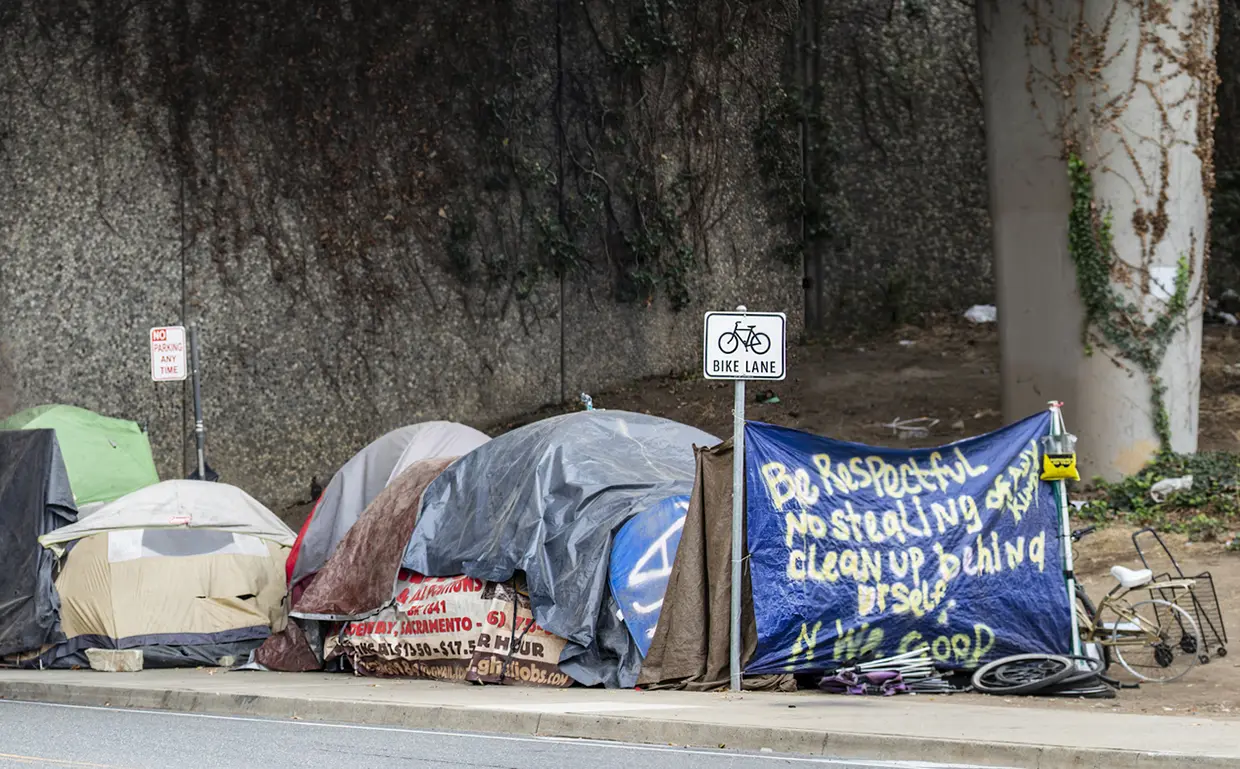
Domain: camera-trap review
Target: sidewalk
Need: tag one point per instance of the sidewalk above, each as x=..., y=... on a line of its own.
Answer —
x=899, y=728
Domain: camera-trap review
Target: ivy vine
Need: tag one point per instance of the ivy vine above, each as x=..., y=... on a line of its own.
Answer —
x=1091, y=78
x=1109, y=316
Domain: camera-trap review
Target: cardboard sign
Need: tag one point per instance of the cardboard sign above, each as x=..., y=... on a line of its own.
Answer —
x=454, y=629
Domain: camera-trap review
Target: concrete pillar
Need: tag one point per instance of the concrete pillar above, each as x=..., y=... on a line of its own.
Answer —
x=1128, y=85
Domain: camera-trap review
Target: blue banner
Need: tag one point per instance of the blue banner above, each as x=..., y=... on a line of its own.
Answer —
x=856, y=549
x=641, y=562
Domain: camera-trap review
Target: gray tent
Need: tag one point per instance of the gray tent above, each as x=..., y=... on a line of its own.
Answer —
x=362, y=478
x=35, y=499
x=545, y=499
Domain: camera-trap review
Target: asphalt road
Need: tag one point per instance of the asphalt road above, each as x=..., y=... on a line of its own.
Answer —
x=37, y=735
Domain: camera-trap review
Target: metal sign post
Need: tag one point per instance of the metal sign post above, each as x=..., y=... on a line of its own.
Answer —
x=741, y=345
x=738, y=528
x=1059, y=431
x=199, y=430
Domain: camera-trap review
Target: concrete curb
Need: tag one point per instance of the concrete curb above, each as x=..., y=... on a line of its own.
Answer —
x=645, y=730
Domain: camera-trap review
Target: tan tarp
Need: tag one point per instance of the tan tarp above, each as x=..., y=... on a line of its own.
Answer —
x=190, y=572
x=171, y=596
x=691, y=641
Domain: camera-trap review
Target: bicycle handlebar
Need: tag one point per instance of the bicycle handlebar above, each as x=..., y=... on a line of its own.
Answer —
x=1076, y=535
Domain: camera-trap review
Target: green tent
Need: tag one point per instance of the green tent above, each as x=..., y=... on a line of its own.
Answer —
x=106, y=458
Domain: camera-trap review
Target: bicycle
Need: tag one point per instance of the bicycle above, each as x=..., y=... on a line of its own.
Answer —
x=1155, y=640
x=753, y=341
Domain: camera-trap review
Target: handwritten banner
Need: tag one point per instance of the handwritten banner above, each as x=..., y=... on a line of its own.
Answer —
x=856, y=549
x=641, y=562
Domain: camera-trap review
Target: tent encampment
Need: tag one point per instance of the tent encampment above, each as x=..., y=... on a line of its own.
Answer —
x=361, y=479
x=106, y=458
x=34, y=500
x=545, y=499
x=191, y=572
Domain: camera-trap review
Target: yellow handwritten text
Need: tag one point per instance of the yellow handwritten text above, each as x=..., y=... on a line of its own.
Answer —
x=1016, y=489
x=785, y=487
x=958, y=648
x=855, y=642
x=803, y=647
x=906, y=479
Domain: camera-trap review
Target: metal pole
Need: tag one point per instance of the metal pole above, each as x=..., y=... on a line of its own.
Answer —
x=199, y=430
x=1065, y=531
x=738, y=525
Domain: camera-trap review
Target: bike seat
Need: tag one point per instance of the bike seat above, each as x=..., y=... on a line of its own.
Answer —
x=1129, y=578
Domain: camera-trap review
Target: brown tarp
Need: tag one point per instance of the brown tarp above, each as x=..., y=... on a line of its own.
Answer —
x=357, y=579
x=288, y=651
x=691, y=640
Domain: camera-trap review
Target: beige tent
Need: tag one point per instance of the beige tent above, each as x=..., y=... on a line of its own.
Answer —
x=190, y=572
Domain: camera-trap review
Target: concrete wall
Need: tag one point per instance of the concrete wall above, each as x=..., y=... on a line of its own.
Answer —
x=904, y=182
x=104, y=233
x=100, y=239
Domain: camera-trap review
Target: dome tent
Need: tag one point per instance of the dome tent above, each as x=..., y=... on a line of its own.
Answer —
x=106, y=458
x=434, y=440
x=191, y=572
x=544, y=500
x=361, y=479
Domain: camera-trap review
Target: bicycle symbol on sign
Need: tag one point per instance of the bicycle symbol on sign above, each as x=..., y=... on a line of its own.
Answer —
x=753, y=341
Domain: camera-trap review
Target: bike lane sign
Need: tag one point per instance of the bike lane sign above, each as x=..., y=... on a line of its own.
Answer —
x=744, y=345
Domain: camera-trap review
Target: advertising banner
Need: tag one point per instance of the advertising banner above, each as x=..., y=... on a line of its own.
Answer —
x=454, y=629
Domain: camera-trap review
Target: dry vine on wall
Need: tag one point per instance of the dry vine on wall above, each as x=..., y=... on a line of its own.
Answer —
x=1095, y=77
x=351, y=141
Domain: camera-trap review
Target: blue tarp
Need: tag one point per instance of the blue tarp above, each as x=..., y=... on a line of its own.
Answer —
x=857, y=549
x=641, y=562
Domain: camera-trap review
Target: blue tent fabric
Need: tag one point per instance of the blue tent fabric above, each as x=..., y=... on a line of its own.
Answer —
x=641, y=563
x=545, y=500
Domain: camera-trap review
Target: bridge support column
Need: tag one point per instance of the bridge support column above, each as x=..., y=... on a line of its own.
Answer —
x=1126, y=86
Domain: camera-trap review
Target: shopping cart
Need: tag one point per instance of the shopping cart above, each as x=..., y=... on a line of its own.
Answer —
x=1202, y=601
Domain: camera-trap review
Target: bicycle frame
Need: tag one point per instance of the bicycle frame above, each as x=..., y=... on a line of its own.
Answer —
x=1131, y=629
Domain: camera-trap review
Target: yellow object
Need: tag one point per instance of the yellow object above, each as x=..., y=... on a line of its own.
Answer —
x=1059, y=467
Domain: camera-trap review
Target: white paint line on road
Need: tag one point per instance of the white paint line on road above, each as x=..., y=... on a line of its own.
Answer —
x=48, y=761
x=858, y=763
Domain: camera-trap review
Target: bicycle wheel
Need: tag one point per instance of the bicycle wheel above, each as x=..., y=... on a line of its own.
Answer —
x=1086, y=616
x=760, y=343
x=1023, y=674
x=729, y=342
x=1166, y=646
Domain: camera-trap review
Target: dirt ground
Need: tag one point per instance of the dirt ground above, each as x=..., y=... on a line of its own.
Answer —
x=843, y=391
x=1211, y=690
x=950, y=374
x=854, y=392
